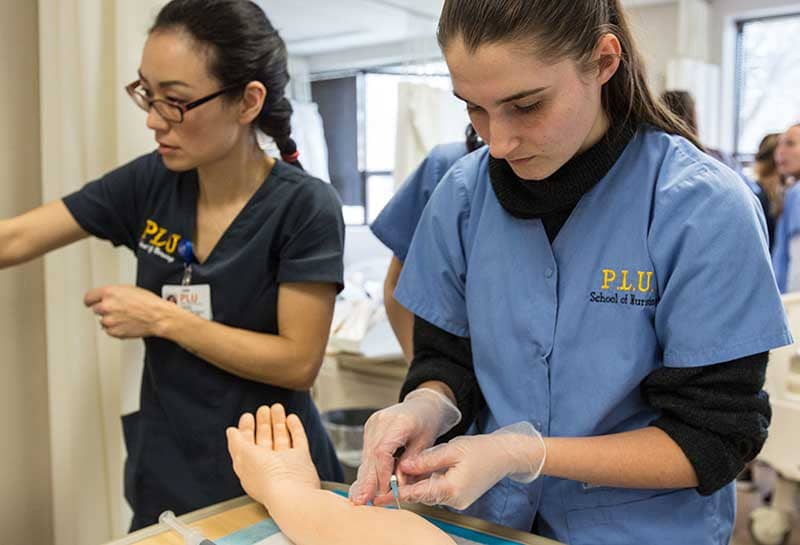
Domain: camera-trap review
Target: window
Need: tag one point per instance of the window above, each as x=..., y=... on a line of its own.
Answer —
x=767, y=80
x=359, y=112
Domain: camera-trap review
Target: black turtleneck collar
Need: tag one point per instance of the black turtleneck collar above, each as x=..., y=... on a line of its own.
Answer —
x=558, y=194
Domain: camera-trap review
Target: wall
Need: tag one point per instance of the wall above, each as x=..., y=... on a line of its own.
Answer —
x=25, y=516
x=655, y=29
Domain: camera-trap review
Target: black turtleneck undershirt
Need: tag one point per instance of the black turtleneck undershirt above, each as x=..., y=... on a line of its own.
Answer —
x=717, y=414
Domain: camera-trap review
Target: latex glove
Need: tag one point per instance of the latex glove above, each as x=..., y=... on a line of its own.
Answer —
x=415, y=424
x=270, y=454
x=461, y=471
x=127, y=312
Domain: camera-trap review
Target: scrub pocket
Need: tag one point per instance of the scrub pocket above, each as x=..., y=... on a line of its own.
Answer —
x=669, y=517
x=492, y=505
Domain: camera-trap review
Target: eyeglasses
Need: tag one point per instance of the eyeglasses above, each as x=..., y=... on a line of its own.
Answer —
x=170, y=111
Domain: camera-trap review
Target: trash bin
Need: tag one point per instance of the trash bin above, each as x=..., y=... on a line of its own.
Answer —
x=346, y=429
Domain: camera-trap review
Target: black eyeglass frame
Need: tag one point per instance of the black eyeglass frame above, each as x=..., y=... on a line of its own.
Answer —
x=132, y=87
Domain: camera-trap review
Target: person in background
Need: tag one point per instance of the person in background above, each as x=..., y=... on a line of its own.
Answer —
x=786, y=255
x=771, y=184
x=248, y=246
x=590, y=283
x=683, y=105
x=396, y=223
x=770, y=181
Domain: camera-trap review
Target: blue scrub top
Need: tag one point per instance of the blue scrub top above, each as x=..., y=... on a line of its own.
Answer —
x=788, y=227
x=663, y=263
x=396, y=223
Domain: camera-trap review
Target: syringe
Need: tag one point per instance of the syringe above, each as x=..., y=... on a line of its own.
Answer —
x=190, y=536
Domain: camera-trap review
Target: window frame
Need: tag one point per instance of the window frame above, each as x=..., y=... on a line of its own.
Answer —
x=738, y=75
x=400, y=70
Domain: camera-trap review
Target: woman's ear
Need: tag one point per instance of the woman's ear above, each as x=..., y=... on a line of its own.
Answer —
x=608, y=54
x=252, y=102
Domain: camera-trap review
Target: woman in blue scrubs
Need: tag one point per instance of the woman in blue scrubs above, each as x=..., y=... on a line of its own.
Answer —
x=239, y=255
x=786, y=256
x=396, y=223
x=593, y=297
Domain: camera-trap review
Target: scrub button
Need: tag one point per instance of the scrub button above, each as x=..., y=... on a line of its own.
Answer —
x=549, y=272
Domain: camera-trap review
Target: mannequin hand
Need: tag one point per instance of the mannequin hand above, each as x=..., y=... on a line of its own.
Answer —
x=127, y=312
x=461, y=471
x=270, y=454
x=415, y=424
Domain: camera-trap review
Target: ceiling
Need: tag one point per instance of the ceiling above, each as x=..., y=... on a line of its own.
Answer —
x=323, y=26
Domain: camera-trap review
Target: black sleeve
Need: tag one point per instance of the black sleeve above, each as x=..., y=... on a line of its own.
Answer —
x=111, y=207
x=718, y=415
x=313, y=245
x=442, y=356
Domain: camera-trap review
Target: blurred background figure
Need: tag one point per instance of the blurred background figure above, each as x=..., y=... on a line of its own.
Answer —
x=396, y=224
x=682, y=104
x=772, y=184
x=785, y=259
x=787, y=154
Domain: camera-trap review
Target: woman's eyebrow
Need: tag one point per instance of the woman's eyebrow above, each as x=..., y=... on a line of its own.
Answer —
x=165, y=84
x=512, y=98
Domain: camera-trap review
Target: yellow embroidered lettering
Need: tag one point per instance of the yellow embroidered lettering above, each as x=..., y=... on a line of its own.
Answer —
x=642, y=274
x=172, y=244
x=151, y=228
x=157, y=240
x=625, y=286
x=608, y=277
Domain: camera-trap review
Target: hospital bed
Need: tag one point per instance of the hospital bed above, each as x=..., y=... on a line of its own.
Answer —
x=771, y=525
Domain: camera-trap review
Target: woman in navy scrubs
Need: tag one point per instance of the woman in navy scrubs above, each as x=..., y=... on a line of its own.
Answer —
x=239, y=255
x=593, y=298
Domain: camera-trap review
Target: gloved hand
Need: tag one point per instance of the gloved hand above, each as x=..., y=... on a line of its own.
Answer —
x=461, y=471
x=415, y=424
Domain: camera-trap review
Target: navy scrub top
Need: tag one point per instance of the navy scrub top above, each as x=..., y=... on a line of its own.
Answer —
x=291, y=230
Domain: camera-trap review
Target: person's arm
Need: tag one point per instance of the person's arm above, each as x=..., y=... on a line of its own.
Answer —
x=718, y=414
x=714, y=420
x=271, y=458
x=443, y=361
x=291, y=359
x=329, y=519
x=37, y=232
x=401, y=320
x=645, y=458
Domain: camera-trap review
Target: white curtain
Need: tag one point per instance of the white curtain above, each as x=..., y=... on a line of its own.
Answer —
x=308, y=133
x=88, y=50
x=426, y=116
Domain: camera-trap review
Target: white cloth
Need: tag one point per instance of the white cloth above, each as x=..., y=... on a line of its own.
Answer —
x=84, y=135
x=426, y=116
x=308, y=133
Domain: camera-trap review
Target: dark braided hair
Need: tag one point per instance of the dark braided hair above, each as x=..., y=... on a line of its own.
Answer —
x=243, y=46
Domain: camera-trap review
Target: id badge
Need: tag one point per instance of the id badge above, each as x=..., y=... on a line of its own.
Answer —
x=196, y=298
